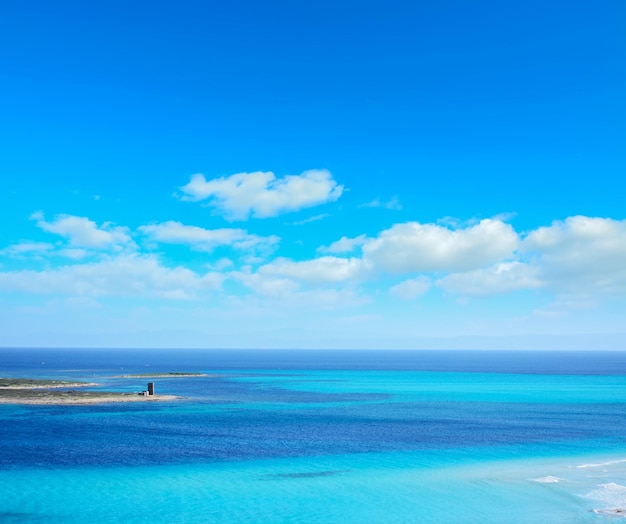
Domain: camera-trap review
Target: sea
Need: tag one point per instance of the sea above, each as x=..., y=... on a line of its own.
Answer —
x=320, y=437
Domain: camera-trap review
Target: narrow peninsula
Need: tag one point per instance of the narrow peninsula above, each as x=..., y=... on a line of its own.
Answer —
x=60, y=392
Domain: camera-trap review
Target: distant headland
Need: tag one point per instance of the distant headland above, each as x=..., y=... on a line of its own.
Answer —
x=176, y=374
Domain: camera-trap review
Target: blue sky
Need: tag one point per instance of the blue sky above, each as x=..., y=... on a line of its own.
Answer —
x=328, y=174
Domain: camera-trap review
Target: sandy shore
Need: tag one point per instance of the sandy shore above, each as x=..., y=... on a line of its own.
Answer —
x=63, y=398
x=58, y=392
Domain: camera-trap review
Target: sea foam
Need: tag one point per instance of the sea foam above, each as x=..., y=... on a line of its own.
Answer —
x=549, y=479
x=613, y=496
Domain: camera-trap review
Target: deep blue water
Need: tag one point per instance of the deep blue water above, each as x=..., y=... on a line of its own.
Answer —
x=542, y=362
x=321, y=420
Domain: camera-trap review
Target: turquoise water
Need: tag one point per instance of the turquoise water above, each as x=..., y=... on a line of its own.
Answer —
x=324, y=437
x=372, y=488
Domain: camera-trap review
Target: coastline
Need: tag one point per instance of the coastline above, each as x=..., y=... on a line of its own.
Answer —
x=27, y=391
x=65, y=398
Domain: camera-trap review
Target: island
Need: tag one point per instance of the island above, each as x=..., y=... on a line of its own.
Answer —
x=60, y=392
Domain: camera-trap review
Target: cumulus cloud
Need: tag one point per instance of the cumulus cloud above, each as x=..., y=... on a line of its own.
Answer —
x=412, y=288
x=414, y=247
x=84, y=233
x=580, y=254
x=262, y=194
x=201, y=239
x=323, y=270
x=503, y=277
x=121, y=276
x=344, y=245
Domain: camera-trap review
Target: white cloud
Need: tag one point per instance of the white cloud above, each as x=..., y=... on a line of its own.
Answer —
x=323, y=270
x=73, y=253
x=503, y=277
x=314, y=218
x=27, y=248
x=325, y=282
x=344, y=245
x=414, y=247
x=393, y=203
x=266, y=285
x=286, y=293
x=505, y=217
x=578, y=258
x=221, y=264
x=453, y=222
x=581, y=255
x=412, y=288
x=202, y=239
x=84, y=233
x=124, y=275
x=261, y=194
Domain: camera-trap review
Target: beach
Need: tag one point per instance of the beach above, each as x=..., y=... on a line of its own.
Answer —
x=58, y=392
x=71, y=398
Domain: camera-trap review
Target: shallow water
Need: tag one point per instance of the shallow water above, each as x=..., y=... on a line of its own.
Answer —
x=321, y=437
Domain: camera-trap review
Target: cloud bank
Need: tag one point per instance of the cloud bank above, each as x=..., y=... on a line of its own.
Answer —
x=576, y=260
x=120, y=276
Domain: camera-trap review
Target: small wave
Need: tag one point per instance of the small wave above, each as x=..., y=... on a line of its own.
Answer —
x=549, y=479
x=613, y=512
x=610, y=463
